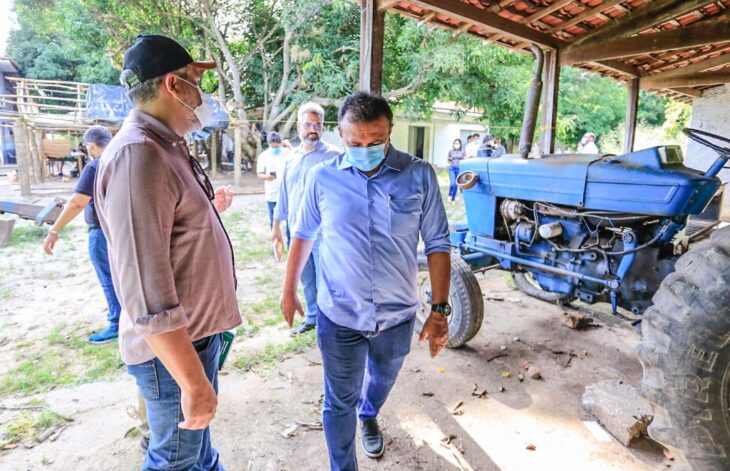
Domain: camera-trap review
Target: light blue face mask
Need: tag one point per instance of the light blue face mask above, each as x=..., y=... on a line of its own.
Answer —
x=276, y=150
x=365, y=158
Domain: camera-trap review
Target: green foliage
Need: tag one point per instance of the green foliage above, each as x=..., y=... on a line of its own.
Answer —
x=272, y=354
x=678, y=115
x=28, y=425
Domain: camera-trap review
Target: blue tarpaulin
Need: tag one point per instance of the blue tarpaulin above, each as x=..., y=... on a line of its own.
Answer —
x=110, y=103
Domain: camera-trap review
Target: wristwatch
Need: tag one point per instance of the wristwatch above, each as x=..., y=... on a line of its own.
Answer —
x=442, y=308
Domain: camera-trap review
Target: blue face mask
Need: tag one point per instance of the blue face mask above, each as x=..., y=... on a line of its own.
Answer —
x=365, y=158
x=276, y=150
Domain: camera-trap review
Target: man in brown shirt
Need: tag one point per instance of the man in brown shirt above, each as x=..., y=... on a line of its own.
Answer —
x=171, y=259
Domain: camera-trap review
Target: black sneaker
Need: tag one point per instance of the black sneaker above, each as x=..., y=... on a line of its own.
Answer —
x=302, y=329
x=372, y=438
x=144, y=443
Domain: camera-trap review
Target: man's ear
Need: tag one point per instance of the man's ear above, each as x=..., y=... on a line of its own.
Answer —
x=169, y=83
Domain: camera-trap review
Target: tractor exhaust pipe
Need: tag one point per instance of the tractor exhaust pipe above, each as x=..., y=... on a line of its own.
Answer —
x=529, y=120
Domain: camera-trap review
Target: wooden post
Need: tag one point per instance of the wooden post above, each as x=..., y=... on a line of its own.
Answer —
x=22, y=155
x=37, y=154
x=372, y=29
x=550, y=101
x=631, y=109
x=214, y=139
x=237, y=154
x=32, y=157
x=38, y=134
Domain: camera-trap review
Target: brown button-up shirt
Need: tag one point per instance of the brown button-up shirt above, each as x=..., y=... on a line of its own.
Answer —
x=171, y=259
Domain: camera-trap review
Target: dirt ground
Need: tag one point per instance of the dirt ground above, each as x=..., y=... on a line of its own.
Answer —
x=48, y=305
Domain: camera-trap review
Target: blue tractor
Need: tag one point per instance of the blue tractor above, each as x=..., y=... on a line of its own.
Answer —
x=619, y=229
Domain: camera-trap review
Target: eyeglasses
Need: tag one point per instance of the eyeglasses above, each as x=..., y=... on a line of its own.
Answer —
x=313, y=126
x=202, y=178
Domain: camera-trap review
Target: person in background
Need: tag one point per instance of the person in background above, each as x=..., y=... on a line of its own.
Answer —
x=472, y=146
x=371, y=205
x=311, y=151
x=587, y=144
x=499, y=149
x=96, y=138
x=170, y=256
x=270, y=168
x=487, y=147
x=456, y=155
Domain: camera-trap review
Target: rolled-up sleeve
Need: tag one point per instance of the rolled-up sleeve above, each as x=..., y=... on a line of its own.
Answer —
x=309, y=218
x=434, y=223
x=281, y=212
x=139, y=193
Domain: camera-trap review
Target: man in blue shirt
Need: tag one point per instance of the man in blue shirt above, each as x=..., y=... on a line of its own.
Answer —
x=95, y=139
x=311, y=151
x=369, y=206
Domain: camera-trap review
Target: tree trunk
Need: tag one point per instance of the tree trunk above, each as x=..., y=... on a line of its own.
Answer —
x=237, y=155
x=22, y=156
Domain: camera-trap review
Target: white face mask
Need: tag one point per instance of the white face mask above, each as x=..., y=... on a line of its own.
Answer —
x=203, y=112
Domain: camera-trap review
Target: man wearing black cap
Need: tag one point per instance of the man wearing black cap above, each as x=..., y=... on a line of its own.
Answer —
x=171, y=259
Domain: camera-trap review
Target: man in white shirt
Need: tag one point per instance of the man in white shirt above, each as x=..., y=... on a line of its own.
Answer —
x=588, y=144
x=270, y=168
x=472, y=146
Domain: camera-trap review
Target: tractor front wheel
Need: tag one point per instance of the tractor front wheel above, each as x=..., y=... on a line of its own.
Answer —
x=465, y=297
x=685, y=353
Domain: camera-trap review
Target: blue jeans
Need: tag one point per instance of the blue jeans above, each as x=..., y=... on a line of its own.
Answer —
x=453, y=189
x=309, y=281
x=172, y=448
x=270, y=205
x=100, y=259
x=360, y=369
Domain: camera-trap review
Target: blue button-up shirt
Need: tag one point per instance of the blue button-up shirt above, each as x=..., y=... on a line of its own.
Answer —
x=369, y=229
x=296, y=171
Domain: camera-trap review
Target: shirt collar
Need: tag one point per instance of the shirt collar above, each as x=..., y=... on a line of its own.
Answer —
x=155, y=125
x=393, y=159
x=318, y=148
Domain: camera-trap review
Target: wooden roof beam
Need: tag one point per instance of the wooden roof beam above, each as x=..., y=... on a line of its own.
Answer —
x=585, y=15
x=691, y=36
x=464, y=12
x=688, y=80
x=642, y=18
x=689, y=92
x=699, y=66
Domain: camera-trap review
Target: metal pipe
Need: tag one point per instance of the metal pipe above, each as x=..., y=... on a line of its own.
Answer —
x=529, y=120
x=613, y=284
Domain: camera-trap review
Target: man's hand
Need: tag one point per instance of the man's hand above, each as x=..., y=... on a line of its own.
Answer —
x=276, y=233
x=436, y=330
x=223, y=198
x=198, y=407
x=290, y=304
x=50, y=242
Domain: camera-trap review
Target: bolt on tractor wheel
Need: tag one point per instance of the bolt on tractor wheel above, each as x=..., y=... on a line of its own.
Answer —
x=685, y=353
x=465, y=297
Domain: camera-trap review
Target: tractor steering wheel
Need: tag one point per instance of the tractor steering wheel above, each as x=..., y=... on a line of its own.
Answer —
x=699, y=137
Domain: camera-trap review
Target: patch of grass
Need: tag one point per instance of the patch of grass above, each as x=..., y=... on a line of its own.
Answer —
x=28, y=426
x=5, y=294
x=247, y=330
x=28, y=235
x=67, y=359
x=270, y=304
x=272, y=354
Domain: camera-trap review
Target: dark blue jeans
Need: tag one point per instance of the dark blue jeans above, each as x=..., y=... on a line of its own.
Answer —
x=453, y=189
x=270, y=205
x=172, y=448
x=360, y=369
x=100, y=259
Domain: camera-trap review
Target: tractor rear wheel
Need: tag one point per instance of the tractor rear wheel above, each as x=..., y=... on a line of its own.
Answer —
x=465, y=297
x=527, y=283
x=685, y=353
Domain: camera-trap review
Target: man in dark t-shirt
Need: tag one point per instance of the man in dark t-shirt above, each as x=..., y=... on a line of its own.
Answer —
x=96, y=139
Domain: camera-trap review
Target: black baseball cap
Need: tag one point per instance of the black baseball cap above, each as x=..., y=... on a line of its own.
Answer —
x=152, y=55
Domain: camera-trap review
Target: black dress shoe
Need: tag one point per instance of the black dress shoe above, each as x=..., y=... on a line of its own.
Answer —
x=302, y=329
x=372, y=438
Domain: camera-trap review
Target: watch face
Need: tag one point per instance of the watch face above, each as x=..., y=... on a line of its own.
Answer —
x=447, y=310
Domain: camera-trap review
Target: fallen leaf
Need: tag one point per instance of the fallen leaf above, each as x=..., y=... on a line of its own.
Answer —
x=531, y=447
x=520, y=377
x=427, y=394
x=505, y=374
x=501, y=388
x=448, y=438
x=480, y=393
x=455, y=410
x=441, y=370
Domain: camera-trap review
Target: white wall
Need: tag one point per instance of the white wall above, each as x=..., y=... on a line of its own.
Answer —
x=711, y=113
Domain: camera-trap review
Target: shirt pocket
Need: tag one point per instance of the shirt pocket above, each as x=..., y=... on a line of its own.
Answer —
x=404, y=215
